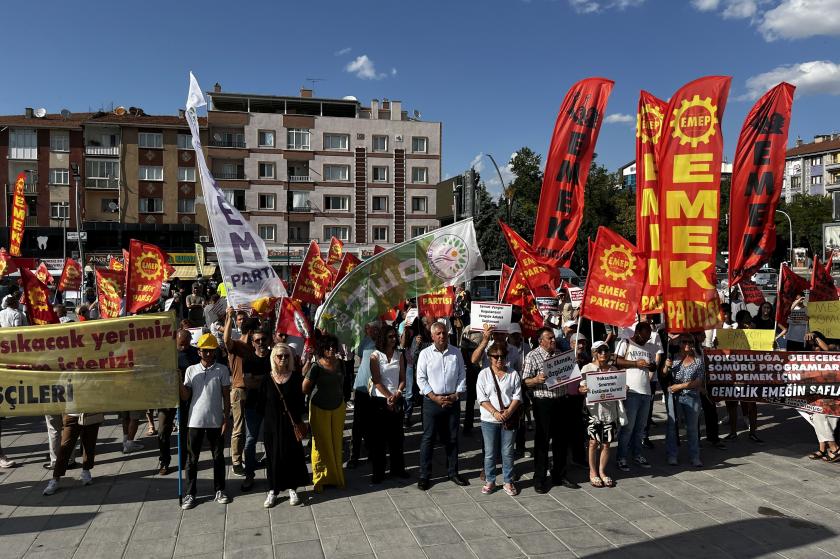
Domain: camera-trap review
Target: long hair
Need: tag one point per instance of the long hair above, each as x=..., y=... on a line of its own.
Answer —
x=382, y=338
x=285, y=348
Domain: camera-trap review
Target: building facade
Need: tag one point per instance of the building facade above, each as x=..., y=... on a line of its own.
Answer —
x=304, y=168
x=814, y=168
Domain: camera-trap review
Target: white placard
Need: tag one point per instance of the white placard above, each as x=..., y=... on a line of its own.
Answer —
x=575, y=296
x=606, y=386
x=195, y=334
x=561, y=369
x=497, y=315
x=548, y=305
x=411, y=316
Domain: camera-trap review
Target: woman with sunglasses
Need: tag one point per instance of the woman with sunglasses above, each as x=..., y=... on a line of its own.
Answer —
x=603, y=420
x=686, y=372
x=325, y=382
x=387, y=372
x=499, y=393
x=281, y=400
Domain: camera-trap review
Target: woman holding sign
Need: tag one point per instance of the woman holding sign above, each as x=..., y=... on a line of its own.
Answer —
x=603, y=420
x=686, y=371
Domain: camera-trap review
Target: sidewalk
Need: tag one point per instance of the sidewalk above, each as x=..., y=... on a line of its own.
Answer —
x=749, y=501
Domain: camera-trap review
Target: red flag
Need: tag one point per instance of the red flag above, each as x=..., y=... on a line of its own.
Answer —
x=614, y=281
x=115, y=264
x=542, y=279
x=43, y=274
x=18, y=216
x=516, y=290
x=750, y=292
x=110, y=286
x=7, y=263
x=649, y=123
x=37, y=297
x=790, y=287
x=532, y=320
x=567, y=167
x=314, y=277
x=145, y=272
x=822, y=284
x=504, y=278
x=757, y=183
x=71, y=276
x=690, y=155
x=377, y=249
x=335, y=253
x=437, y=304
x=291, y=320
x=348, y=262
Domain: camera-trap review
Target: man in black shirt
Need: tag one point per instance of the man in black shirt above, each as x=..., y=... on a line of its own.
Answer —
x=187, y=356
x=254, y=367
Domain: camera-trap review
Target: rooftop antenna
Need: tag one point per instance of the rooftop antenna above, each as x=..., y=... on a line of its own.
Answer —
x=313, y=81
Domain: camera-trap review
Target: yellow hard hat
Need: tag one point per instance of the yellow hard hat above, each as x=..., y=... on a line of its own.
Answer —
x=207, y=341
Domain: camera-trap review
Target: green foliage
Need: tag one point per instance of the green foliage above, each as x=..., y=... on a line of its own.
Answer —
x=807, y=213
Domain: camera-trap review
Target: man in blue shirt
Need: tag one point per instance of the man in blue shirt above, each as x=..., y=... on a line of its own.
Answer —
x=361, y=396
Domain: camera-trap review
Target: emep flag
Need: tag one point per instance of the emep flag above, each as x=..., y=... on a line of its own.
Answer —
x=314, y=277
x=110, y=285
x=37, y=297
x=335, y=253
x=615, y=280
x=567, y=167
x=542, y=279
x=71, y=276
x=146, y=271
x=690, y=156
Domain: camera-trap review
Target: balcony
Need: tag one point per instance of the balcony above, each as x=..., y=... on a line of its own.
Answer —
x=101, y=183
x=228, y=140
x=113, y=151
x=227, y=175
x=299, y=178
x=30, y=188
x=832, y=162
x=23, y=153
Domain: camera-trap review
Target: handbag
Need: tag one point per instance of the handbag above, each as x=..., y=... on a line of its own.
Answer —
x=512, y=422
x=301, y=429
x=86, y=419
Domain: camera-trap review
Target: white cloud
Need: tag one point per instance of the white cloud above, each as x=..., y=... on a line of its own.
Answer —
x=489, y=177
x=343, y=51
x=617, y=118
x=740, y=9
x=595, y=6
x=798, y=19
x=393, y=71
x=706, y=5
x=818, y=76
x=364, y=69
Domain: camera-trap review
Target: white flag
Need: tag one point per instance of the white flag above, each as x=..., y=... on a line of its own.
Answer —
x=243, y=258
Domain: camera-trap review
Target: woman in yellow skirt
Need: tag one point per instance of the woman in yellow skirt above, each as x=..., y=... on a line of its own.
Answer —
x=325, y=381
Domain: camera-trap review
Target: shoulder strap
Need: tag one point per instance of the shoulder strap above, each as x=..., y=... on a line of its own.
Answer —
x=498, y=391
x=283, y=400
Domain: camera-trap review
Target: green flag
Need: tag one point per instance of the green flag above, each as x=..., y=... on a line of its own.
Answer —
x=443, y=257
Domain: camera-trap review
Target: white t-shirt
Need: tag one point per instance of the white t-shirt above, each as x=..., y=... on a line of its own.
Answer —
x=638, y=380
x=389, y=372
x=207, y=403
x=509, y=385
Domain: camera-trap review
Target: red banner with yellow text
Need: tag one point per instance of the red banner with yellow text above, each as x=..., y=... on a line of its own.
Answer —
x=43, y=274
x=690, y=155
x=110, y=286
x=567, y=166
x=314, y=277
x=37, y=297
x=614, y=282
x=335, y=253
x=542, y=279
x=532, y=320
x=146, y=272
x=438, y=304
x=504, y=278
x=517, y=290
x=348, y=262
x=757, y=183
x=71, y=276
x=18, y=216
x=7, y=263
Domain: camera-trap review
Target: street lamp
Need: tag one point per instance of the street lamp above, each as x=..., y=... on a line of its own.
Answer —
x=790, y=231
x=508, y=193
x=74, y=167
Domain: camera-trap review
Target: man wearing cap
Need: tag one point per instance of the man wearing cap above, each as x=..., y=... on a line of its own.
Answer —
x=207, y=387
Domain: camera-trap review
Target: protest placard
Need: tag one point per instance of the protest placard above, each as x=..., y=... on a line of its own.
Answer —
x=605, y=386
x=548, y=305
x=497, y=315
x=760, y=340
x=561, y=369
x=575, y=296
x=411, y=315
x=824, y=317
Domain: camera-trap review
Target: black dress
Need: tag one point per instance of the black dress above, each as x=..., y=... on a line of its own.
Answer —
x=285, y=459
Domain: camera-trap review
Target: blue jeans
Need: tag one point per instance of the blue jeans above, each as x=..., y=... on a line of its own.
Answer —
x=687, y=407
x=637, y=407
x=253, y=421
x=496, y=441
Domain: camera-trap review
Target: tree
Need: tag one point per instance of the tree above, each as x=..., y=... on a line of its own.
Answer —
x=808, y=213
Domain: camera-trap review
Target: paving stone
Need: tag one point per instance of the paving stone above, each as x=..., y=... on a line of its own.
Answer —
x=385, y=540
x=294, y=532
x=261, y=552
x=449, y=551
x=515, y=525
x=350, y=545
x=299, y=550
x=558, y=519
x=477, y=529
x=199, y=543
x=339, y=525
x=581, y=538
x=499, y=548
x=333, y=508
x=150, y=548
x=621, y=533
x=436, y=535
x=539, y=543
x=58, y=539
x=464, y=511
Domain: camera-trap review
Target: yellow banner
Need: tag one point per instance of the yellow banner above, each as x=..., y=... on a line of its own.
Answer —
x=117, y=364
x=759, y=340
x=824, y=317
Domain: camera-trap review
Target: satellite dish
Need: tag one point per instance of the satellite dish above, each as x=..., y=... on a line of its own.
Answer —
x=119, y=111
x=65, y=114
x=416, y=114
x=349, y=98
x=112, y=206
x=217, y=137
x=40, y=112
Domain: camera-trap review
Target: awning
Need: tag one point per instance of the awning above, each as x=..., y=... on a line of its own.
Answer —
x=189, y=272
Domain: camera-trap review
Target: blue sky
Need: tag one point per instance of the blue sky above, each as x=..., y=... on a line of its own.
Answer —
x=494, y=72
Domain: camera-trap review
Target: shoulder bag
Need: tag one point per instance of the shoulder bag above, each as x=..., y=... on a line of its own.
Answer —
x=300, y=428
x=512, y=422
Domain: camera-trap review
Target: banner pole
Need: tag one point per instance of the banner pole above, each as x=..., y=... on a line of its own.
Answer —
x=776, y=314
x=578, y=329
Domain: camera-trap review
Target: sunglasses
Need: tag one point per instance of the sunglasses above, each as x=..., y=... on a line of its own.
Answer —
x=259, y=341
x=496, y=356
x=282, y=356
x=602, y=350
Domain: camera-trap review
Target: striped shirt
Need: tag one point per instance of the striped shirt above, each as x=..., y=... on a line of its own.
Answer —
x=534, y=365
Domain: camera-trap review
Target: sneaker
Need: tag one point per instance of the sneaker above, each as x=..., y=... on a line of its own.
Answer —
x=641, y=461
x=673, y=462
x=622, y=465
x=270, y=500
x=131, y=446
x=7, y=463
x=85, y=477
x=488, y=488
x=222, y=498
x=52, y=487
x=294, y=500
x=188, y=502
x=350, y=406
x=238, y=470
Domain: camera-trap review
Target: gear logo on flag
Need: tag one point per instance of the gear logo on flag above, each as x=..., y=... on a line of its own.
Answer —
x=448, y=256
x=618, y=263
x=109, y=287
x=148, y=266
x=649, y=123
x=694, y=121
x=38, y=300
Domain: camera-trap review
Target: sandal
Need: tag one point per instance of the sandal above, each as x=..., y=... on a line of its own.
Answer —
x=608, y=481
x=817, y=455
x=488, y=488
x=832, y=456
x=511, y=489
x=596, y=481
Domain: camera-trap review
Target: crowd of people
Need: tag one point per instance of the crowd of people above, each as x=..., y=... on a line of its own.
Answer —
x=246, y=378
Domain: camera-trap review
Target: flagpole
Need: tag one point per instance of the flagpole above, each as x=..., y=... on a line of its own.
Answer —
x=776, y=314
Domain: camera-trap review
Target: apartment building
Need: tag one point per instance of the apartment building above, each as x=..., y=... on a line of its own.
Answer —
x=303, y=168
x=814, y=168
x=136, y=175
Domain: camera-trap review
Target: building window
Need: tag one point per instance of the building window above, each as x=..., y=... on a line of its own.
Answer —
x=337, y=172
x=152, y=140
x=151, y=205
x=380, y=234
x=417, y=230
x=342, y=233
x=186, y=174
x=380, y=143
x=300, y=201
x=297, y=138
x=337, y=203
x=419, y=174
x=796, y=182
x=267, y=232
x=419, y=204
x=59, y=210
x=380, y=174
x=59, y=176
x=266, y=170
x=379, y=204
x=265, y=138
x=419, y=144
x=23, y=144
x=236, y=198
x=267, y=201
x=185, y=141
x=59, y=140
x=186, y=205
x=102, y=173
x=816, y=179
x=110, y=205
x=299, y=233
x=150, y=173
x=337, y=141
x=816, y=161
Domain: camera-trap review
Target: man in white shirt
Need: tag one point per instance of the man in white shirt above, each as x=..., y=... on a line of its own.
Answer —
x=11, y=316
x=442, y=380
